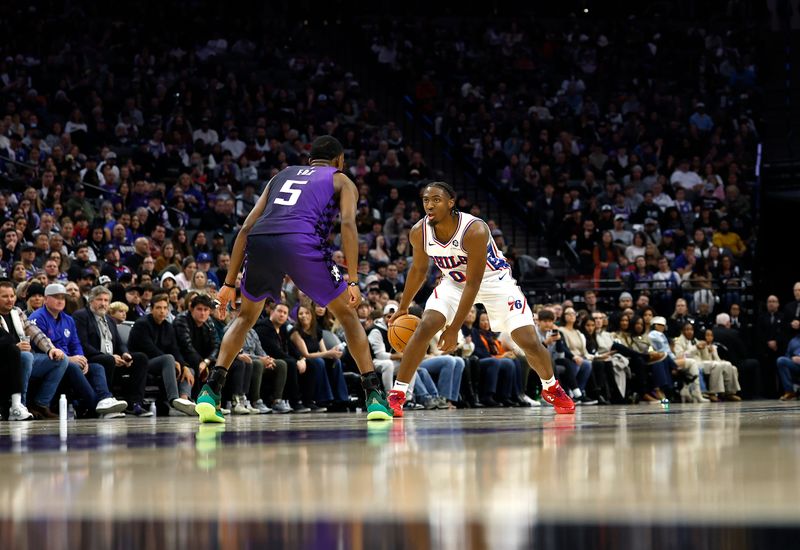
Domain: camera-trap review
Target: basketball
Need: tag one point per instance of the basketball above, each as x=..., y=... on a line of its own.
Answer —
x=401, y=330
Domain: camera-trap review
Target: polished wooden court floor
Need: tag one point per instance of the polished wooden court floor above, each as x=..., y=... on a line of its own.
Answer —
x=690, y=476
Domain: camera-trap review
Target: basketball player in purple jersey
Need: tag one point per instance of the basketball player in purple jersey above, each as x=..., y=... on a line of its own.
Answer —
x=287, y=233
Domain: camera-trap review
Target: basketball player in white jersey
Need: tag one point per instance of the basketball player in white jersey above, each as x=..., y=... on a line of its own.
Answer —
x=473, y=270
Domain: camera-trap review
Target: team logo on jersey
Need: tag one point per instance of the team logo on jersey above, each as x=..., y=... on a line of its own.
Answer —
x=455, y=243
x=66, y=333
x=337, y=276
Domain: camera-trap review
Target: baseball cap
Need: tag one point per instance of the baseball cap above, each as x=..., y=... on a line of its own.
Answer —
x=28, y=247
x=34, y=289
x=497, y=232
x=219, y=235
x=651, y=221
x=203, y=257
x=88, y=273
x=606, y=208
x=658, y=321
x=78, y=187
x=620, y=217
x=625, y=296
x=134, y=288
x=166, y=276
x=103, y=280
x=54, y=289
x=389, y=309
x=109, y=247
x=543, y=263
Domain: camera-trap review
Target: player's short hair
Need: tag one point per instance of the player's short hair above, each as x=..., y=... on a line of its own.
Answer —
x=326, y=148
x=446, y=187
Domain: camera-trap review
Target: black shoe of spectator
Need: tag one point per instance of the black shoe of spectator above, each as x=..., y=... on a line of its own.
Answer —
x=489, y=402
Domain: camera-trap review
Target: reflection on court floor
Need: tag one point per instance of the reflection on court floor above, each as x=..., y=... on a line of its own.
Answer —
x=607, y=477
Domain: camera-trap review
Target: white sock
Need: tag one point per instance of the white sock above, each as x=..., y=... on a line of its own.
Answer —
x=549, y=383
x=16, y=399
x=400, y=386
x=577, y=393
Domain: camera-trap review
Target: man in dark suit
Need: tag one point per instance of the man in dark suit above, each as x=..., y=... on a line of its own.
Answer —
x=771, y=341
x=791, y=315
x=731, y=348
x=102, y=344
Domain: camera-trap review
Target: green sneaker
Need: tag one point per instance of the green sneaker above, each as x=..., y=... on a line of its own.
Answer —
x=377, y=407
x=208, y=405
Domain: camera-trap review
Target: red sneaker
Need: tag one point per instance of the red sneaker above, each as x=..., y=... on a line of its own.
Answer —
x=557, y=397
x=396, y=401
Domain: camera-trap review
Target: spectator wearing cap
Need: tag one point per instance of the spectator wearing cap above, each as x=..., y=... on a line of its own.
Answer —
x=102, y=344
x=80, y=263
x=111, y=266
x=87, y=380
x=700, y=118
x=621, y=236
x=652, y=231
x=605, y=221
x=154, y=336
x=79, y=202
x=205, y=133
x=36, y=357
x=204, y=265
x=185, y=277
x=156, y=213
x=233, y=144
x=28, y=257
x=133, y=298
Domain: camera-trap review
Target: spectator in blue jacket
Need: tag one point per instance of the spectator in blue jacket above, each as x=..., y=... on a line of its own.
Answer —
x=88, y=380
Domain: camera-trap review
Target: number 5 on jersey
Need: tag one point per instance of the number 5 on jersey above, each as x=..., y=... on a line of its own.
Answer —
x=294, y=194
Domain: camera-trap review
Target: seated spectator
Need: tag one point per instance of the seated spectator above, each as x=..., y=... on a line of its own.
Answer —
x=730, y=374
x=87, y=380
x=274, y=336
x=34, y=298
x=155, y=337
x=501, y=365
x=572, y=375
x=263, y=364
x=102, y=344
x=118, y=312
x=789, y=369
x=732, y=348
x=133, y=299
x=184, y=279
x=319, y=382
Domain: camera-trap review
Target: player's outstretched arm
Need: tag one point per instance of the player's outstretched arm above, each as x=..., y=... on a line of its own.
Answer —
x=475, y=243
x=417, y=273
x=227, y=293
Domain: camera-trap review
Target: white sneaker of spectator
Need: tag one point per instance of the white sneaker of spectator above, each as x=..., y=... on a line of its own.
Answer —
x=110, y=405
x=262, y=408
x=110, y=416
x=530, y=401
x=250, y=407
x=238, y=405
x=184, y=406
x=19, y=412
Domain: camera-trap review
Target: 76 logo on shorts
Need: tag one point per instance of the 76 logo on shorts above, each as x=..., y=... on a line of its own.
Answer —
x=514, y=303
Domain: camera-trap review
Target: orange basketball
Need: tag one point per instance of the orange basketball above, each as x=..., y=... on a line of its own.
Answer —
x=401, y=330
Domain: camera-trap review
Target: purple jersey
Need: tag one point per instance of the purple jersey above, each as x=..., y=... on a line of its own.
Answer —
x=301, y=200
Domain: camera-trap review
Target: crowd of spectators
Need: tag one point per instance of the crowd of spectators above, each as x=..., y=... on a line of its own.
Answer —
x=126, y=167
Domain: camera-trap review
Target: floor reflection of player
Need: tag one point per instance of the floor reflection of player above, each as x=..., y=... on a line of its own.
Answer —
x=286, y=233
x=473, y=270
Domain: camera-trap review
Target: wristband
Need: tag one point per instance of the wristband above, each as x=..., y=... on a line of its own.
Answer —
x=352, y=283
x=229, y=286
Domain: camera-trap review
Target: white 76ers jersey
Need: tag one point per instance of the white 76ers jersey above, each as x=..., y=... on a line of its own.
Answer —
x=451, y=258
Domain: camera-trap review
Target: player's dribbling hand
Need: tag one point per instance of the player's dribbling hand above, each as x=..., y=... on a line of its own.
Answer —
x=448, y=341
x=225, y=296
x=396, y=315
